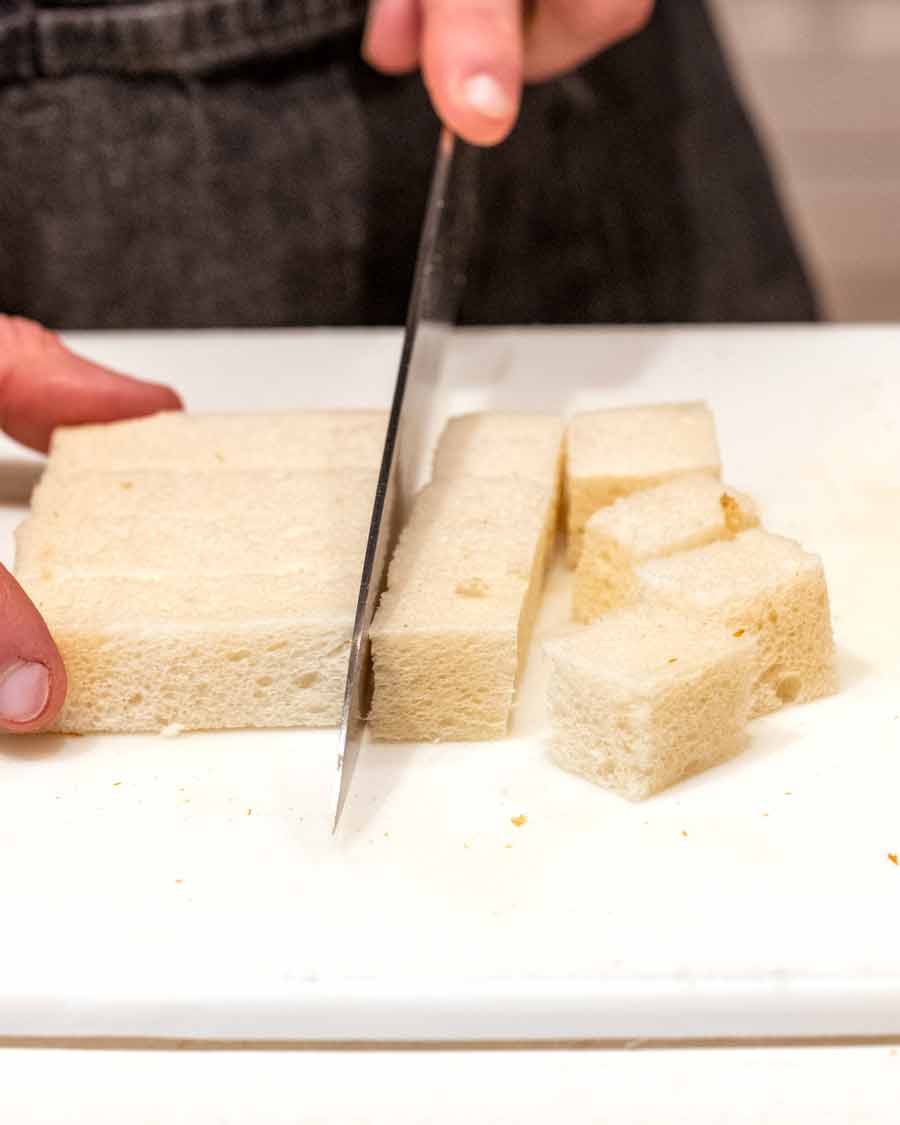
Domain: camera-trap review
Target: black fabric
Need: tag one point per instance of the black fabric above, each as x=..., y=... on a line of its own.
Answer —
x=191, y=163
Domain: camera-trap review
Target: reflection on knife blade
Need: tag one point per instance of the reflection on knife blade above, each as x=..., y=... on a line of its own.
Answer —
x=437, y=287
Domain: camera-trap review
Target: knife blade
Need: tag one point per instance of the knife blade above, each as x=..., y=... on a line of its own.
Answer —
x=437, y=286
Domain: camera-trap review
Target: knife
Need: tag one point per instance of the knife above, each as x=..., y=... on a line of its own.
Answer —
x=437, y=287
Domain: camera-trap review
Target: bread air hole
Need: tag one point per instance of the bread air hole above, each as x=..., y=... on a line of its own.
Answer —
x=788, y=689
x=241, y=654
x=306, y=680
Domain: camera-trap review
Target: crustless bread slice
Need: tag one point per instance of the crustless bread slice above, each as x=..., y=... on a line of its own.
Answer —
x=687, y=512
x=612, y=453
x=646, y=696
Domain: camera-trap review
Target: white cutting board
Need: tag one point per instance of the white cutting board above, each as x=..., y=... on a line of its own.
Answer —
x=189, y=887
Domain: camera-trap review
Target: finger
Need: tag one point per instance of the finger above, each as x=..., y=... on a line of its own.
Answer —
x=563, y=33
x=392, y=35
x=32, y=675
x=472, y=65
x=44, y=385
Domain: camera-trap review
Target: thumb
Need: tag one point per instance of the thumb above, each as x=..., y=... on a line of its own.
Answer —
x=32, y=675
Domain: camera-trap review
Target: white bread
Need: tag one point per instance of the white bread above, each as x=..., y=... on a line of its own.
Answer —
x=647, y=696
x=764, y=586
x=683, y=513
x=148, y=546
x=312, y=441
x=450, y=635
x=206, y=496
x=501, y=445
x=446, y=656
x=612, y=453
x=200, y=652
x=203, y=572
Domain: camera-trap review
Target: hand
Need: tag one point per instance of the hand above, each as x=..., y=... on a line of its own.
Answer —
x=44, y=385
x=475, y=54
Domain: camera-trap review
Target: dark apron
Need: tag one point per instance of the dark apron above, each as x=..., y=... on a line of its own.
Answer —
x=191, y=163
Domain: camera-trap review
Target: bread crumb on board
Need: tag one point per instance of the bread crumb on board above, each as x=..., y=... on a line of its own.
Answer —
x=893, y=858
x=519, y=820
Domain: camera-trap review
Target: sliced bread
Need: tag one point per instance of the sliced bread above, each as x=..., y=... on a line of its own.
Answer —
x=687, y=512
x=647, y=696
x=764, y=586
x=612, y=453
x=200, y=652
x=313, y=441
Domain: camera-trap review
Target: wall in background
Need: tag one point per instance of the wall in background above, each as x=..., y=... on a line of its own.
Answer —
x=822, y=78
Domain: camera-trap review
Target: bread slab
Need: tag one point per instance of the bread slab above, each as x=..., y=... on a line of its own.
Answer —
x=764, y=586
x=200, y=652
x=203, y=571
x=647, y=696
x=679, y=515
x=451, y=633
x=312, y=441
x=612, y=453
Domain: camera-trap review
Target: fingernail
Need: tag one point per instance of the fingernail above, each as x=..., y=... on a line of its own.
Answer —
x=484, y=94
x=24, y=690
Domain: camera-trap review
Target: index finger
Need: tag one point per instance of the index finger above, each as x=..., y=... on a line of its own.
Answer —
x=44, y=385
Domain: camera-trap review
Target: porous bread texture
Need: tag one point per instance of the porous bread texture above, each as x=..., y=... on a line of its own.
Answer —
x=200, y=652
x=147, y=546
x=451, y=633
x=647, y=696
x=446, y=657
x=312, y=441
x=681, y=514
x=764, y=586
x=202, y=572
x=499, y=444
x=204, y=496
x=612, y=453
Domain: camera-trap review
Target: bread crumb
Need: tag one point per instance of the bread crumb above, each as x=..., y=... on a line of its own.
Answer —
x=893, y=858
x=249, y=812
x=179, y=880
x=519, y=820
x=116, y=784
x=732, y=512
x=788, y=793
x=472, y=588
x=172, y=730
x=673, y=660
x=507, y=845
x=683, y=833
x=740, y=632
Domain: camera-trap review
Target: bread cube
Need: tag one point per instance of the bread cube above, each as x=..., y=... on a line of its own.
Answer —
x=612, y=453
x=687, y=512
x=764, y=586
x=646, y=696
